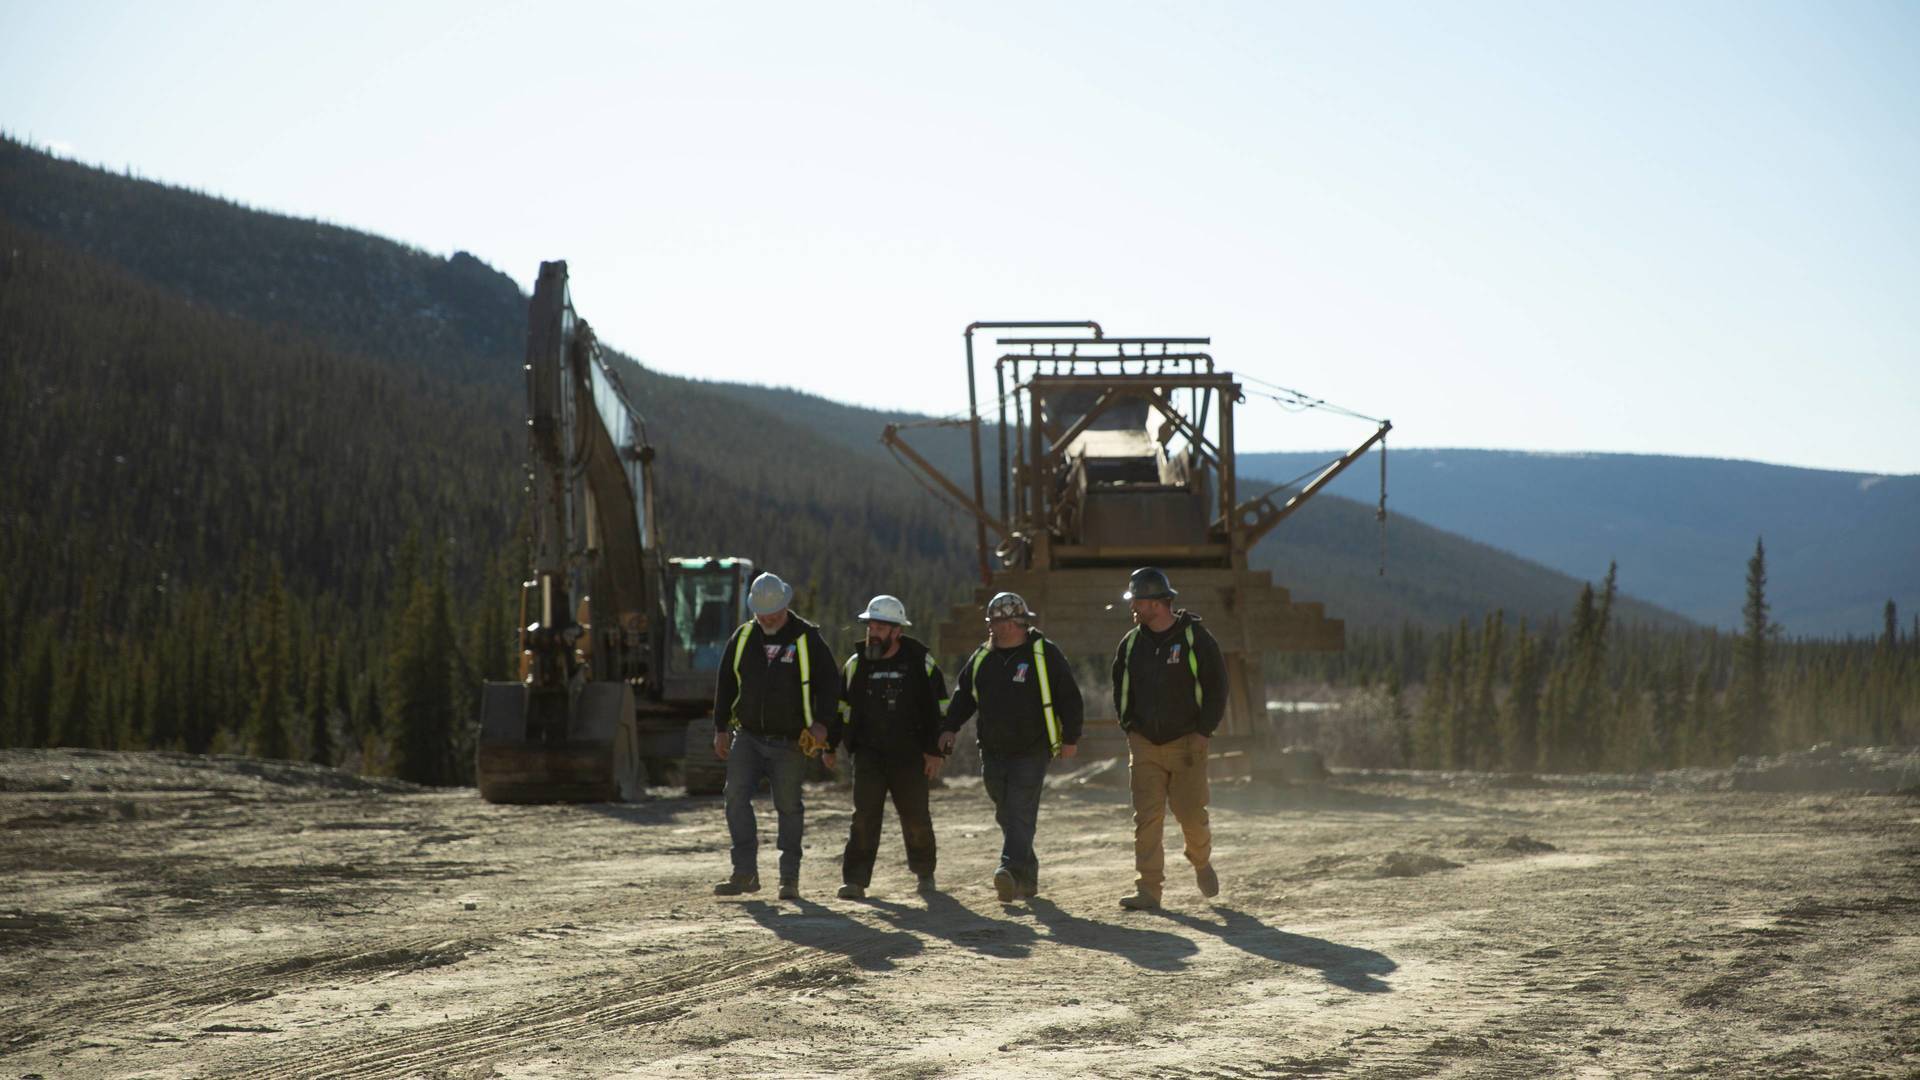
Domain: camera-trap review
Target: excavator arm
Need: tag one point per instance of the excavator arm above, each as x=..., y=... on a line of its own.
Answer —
x=567, y=730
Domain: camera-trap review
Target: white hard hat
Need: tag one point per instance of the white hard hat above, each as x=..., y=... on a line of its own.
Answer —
x=1008, y=605
x=768, y=594
x=886, y=609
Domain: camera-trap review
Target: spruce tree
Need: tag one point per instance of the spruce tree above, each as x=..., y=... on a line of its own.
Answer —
x=1520, y=720
x=267, y=734
x=1483, y=736
x=1751, y=702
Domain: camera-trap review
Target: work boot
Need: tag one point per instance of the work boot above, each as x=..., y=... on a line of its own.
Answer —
x=925, y=886
x=1208, y=881
x=737, y=884
x=789, y=888
x=1004, y=885
x=851, y=891
x=1140, y=901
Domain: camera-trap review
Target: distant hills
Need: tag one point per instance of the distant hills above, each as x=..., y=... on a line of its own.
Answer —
x=1839, y=545
x=270, y=460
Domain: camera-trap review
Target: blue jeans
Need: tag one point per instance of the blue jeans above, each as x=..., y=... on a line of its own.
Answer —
x=780, y=761
x=1014, y=785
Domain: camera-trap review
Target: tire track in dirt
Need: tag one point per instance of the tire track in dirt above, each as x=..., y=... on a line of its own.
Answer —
x=166, y=998
x=631, y=1002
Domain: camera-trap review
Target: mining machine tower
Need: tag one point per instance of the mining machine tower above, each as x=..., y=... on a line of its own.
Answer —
x=1116, y=453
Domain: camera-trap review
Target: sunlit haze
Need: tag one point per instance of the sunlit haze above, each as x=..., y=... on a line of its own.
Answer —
x=1658, y=228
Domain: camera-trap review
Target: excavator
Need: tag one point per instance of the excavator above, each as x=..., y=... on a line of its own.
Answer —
x=619, y=644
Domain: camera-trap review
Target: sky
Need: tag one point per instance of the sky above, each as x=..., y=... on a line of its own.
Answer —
x=1672, y=228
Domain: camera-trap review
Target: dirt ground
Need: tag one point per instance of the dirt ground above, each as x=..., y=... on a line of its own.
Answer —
x=169, y=916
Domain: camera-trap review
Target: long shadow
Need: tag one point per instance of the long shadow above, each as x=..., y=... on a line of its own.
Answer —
x=819, y=927
x=945, y=917
x=1360, y=970
x=1267, y=798
x=1153, y=949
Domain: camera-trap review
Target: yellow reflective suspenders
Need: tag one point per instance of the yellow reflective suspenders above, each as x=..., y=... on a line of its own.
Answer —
x=1046, y=694
x=1126, y=669
x=846, y=687
x=806, y=680
x=739, y=650
x=1040, y=672
x=943, y=701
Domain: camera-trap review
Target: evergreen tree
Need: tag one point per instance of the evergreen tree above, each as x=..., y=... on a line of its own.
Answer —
x=419, y=702
x=1430, y=729
x=1520, y=720
x=267, y=734
x=319, y=736
x=1483, y=738
x=1751, y=706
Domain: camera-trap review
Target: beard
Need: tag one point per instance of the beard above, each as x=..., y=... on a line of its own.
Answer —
x=876, y=649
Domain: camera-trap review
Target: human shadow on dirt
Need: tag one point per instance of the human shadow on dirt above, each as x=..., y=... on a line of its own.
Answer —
x=945, y=917
x=1359, y=970
x=1155, y=950
x=1266, y=798
x=819, y=927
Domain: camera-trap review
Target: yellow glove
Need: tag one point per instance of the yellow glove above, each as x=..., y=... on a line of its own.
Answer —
x=809, y=745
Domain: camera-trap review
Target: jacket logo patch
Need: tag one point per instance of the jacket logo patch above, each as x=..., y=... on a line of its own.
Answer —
x=780, y=653
x=1173, y=654
x=1020, y=673
x=787, y=657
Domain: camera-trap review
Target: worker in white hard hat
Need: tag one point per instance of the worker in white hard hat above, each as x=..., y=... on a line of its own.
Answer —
x=892, y=698
x=772, y=699
x=1030, y=712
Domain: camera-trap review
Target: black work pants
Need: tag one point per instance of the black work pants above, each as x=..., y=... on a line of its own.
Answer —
x=874, y=777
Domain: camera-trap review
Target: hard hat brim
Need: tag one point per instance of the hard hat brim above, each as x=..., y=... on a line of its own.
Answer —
x=864, y=617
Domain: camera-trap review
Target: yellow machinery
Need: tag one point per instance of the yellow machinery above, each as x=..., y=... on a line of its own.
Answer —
x=619, y=645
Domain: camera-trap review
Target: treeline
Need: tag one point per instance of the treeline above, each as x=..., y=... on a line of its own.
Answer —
x=1592, y=694
x=222, y=536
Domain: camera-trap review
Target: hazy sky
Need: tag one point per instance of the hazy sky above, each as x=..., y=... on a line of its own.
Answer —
x=1685, y=227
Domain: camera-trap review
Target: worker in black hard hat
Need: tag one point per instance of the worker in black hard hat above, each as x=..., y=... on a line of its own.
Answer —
x=1030, y=711
x=1170, y=692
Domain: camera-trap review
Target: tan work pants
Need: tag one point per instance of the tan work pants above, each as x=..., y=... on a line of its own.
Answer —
x=1175, y=773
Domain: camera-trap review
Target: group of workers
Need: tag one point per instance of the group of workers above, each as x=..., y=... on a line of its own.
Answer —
x=780, y=698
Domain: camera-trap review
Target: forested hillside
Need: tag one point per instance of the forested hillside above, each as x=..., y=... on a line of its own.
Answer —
x=339, y=287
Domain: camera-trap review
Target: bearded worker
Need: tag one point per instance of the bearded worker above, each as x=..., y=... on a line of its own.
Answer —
x=892, y=699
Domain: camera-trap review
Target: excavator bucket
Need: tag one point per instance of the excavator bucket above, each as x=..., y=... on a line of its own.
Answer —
x=558, y=747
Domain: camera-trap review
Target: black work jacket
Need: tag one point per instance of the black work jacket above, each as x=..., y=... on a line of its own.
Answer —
x=759, y=687
x=1156, y=674
x=1003, y=685
x=913, y=728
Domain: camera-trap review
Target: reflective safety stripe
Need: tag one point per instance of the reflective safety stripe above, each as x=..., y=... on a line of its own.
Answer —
x=1046, y=694
x=739, y=650
x=1126, y=669
x=846, y=685
x=944, y=701
x=806, y=679
x=1193, y=665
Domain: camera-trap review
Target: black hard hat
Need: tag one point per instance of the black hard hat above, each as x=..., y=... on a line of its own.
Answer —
x=1149, y=583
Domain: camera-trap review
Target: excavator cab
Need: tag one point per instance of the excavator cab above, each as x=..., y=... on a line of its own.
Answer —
x=707, y=600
